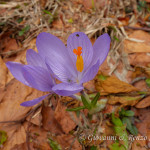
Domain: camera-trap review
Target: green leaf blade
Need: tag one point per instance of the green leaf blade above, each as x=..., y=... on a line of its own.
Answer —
x=94, y=101
x=76, y=109
x=85, y=102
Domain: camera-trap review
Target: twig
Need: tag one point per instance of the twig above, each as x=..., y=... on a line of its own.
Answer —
x=137, y=28
x=72, y=143
x=86, y=122
x=138, y=79
x=75, y=120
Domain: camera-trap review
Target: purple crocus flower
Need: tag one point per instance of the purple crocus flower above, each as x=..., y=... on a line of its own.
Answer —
x=73, y=66
x=35, y=75
x=76, y=64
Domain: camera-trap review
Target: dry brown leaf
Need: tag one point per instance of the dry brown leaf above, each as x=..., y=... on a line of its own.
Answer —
x=7, y=43
x=49, y=122
x=139, y=144
x=143, y=103
x=136, y=47
x=39, y=138
x=138, y=72
x=43, y=3
x=15, y=94
x=147, y=1
x=113, y=85
x=66, y=140
x=3, y=74
x=139, y=59
x=105, y=69
x=10, y=108
x=90, y=86
x=124, y=20
x=144, y=124
x=16, y=135
x=63, y=117
x=58, y=24
x=35, y=118
x=109, y=130
x=108, y=109
x=126, y=100
x=22, y=146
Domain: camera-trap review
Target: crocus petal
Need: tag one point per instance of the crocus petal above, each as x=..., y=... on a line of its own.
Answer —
x=16, y=70
x=33, y=102
x=56, y=55
x=34, y=59
x=38, y=77
x=79, y=39
x=59, y=70
x=91, y=73
x=48, y=44
x=67, y=89
x=101, y=48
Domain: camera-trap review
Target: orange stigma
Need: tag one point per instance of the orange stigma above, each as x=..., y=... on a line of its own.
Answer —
x=79, y=62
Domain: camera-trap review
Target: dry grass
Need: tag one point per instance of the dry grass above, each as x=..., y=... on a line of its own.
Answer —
x=93, y=22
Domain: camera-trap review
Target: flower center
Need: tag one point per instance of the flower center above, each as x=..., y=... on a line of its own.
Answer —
x=79, y=62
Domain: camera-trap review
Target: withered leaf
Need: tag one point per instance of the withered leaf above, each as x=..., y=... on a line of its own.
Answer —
x=131, y=46
x=49, y=122
x=66, y=140
x=113, y=85
x=14, y=95
x=3, y=74
x=63, y=117
x=143, y=103
x=16, y=135
x=125, y=100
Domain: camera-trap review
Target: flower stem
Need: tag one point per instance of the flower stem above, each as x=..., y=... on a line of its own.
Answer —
x=77, y=97
x=86, y=96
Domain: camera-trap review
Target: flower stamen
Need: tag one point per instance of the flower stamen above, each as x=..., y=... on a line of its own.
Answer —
x=79, y=62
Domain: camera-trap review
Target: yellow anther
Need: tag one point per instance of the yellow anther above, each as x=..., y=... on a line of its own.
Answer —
x=79, y=62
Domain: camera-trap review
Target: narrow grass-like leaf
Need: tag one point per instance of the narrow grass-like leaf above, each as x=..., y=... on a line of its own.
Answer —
x=47, y=12
x=76, y=109
x=85, y=102
x=94, y=101
x=24, y=30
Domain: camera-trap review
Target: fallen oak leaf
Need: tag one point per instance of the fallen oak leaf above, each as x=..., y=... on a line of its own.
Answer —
x=124, y=100
x=136, y=47
x=143, y=125
x=49, y=122
x=3, y=74
x=16, y=135
x=63, y=117
x=113, y=85
x=14, y=95
x=143, y=103
x=138, y=144
x=66, y=141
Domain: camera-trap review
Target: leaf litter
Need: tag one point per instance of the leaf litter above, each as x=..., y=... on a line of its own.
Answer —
x=32, y=127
